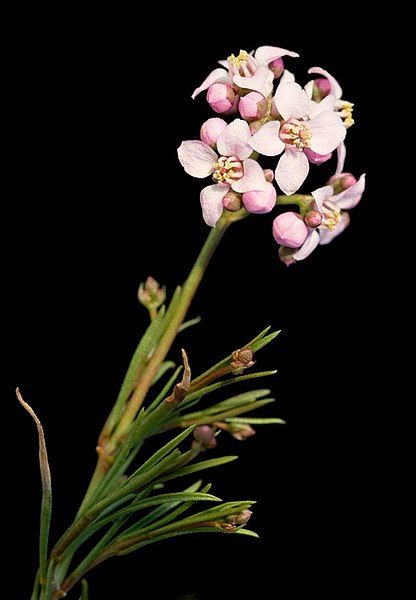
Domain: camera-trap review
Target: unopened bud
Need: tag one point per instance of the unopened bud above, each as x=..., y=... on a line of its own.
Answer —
x=242, y=359
x=260, y=201
x=241, y=431
x=290, y=230
x=321, y=89
x=342, y=182
x=211, y=131
x=268, y=175
x=315, y=158
x=151, y=294
x=313, y=218
x=232, y=201
x=222, y=98
x=253, y=106
x=277, y=67
x=240, y=518
x=204, y=437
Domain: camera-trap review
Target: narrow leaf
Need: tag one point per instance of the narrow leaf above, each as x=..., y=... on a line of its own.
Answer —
x=187, y=420
x=162, y=395
x=46, y=506
x=84, y=595
x=199, y=466
x=164, y=367
x=254, y=421
x=190, y=323
x=248, y=532
x=258, y=345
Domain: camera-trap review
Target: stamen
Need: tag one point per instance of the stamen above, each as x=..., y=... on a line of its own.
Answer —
x=227, y=170
x=296, y=133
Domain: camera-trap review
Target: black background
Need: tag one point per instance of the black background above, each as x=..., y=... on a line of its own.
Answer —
x=98, y=201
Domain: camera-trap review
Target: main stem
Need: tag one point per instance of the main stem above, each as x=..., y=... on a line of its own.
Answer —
x=188, y=292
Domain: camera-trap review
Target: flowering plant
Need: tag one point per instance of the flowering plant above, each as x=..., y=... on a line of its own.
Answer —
x=133, y=499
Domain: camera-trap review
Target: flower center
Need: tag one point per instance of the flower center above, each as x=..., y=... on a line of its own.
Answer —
x=227, y=169
x=344, y=110
x=243, y=64
x=295, y=133
x=332, y=215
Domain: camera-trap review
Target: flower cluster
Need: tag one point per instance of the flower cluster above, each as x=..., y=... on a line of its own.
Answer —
x=301, y=126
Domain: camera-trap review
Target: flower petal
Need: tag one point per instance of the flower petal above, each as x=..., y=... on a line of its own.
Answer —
x=261, y=81
x=326, y=104
x=253, y=178
x=309, y=89
x=267, y=141
x=211, y=202
x=287, y=77
x=322, y=194
x=224, y=63
x=351, y=196
x=291, y=171
x=341, y=152
x=197, y=158
x=327, y=132
x=265, y=54
x=308, y=247
x=260, y=202
x=336, y=89
x=291, y=101
x=235, y=140
x=217, y=75
x=327, y=235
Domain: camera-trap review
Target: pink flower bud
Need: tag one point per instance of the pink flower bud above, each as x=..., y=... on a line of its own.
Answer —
x=342, y=182
x=232, y=201
x=313, y=218
x=316, y=159
x=253, y=106
x=222, y=98
x=277, y=67
x=289, y=230
x=260, y=202
x=204, y=437
x=268, y=175
x=211, y=130
x=321, y=89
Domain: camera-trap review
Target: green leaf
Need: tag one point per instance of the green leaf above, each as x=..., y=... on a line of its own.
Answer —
x=258, y=337
x=199, y=466
x=254, y=421
x=84, y=594
x=234, y=402
x=46, y=505
x=188, y=324
x=164, y=367
x=258, y=345
x=185, y=420
x=243, y=531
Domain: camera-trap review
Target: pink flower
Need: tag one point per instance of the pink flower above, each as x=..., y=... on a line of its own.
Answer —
x=290, y=230
x=247, y=71
x=305, y=125
x=232, y=169
x=333, y=219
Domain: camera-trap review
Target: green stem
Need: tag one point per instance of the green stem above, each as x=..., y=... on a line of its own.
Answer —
x=299, y=199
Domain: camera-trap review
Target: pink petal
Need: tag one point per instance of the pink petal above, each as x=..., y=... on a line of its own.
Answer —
x=267, y=141
x=327, y=132
x=261, y=81
x=223, y=63
x=309, y=89
x=211, y=202
x=351, y=196
x=253, y=178
x=217, y=75
x=341, y=152
x=235, y=140
x=260, y=202
x=308, y=247
x=265, y=54
x=322, y=194
x=291, y=101
x=336, y=89
x=327, y=235
x=197, y=158
x=326, y=104
x=316, y=159
x=291, y=171
x=287, y=77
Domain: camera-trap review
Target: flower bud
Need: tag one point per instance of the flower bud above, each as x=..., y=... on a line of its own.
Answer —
x=240, y=518
x=242, y=359
x=289, y=230
x=316, y=159
x=204, y=437
x=260, y=201
x=313, y=218
x=232, y=201
x=342, y=182
x=222, y=98
x=253, y=106
x=268, y=175
x=211, y=131
x=321, y=89
x=151, y=294
x=241, y=431
x=277, y=67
